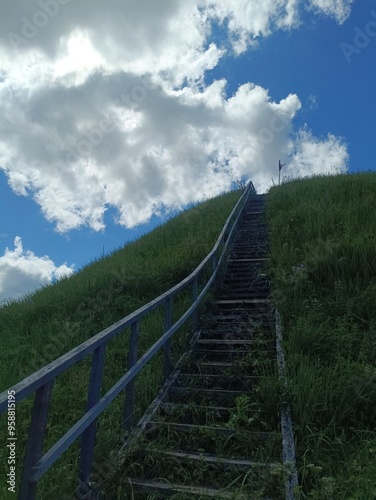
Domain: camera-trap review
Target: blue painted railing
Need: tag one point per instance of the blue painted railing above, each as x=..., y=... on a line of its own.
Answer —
x=41, y=382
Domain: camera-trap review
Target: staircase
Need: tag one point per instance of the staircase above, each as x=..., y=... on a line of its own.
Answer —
x=214, y=430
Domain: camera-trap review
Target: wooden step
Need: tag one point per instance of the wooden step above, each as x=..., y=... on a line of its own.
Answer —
x=207, y=392
x=242, y=301
x=259, y=259
x=171, y=407
x=225, y=342
x=167, y=489
x=256, y=435
x=213, y=459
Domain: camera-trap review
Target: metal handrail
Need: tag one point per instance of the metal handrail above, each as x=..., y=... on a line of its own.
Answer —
x=41, y=382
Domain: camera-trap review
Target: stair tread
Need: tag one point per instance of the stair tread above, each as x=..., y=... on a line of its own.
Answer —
x=166, y=488
x=242, y=301
x=259, y=435
x=223, y=341
x=197, y=407
x=210, y=391
x=216, y=376
x=241, y=462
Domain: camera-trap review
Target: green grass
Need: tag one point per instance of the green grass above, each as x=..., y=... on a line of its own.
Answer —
x=43, y=326
x=323, y=271
x=323, y=243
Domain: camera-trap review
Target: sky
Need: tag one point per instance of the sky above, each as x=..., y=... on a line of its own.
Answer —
x=116, y=114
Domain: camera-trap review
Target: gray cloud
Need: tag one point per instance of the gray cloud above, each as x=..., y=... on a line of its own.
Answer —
x=82, y=129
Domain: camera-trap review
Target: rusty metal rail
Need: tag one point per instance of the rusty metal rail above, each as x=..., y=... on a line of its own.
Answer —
x=41, y=383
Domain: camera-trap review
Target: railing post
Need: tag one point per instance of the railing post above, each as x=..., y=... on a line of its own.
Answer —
x=194, y=293
x=225, y=236
x=34, y=446
x=167, y=365
x=88, y=437
x=130, y=389
x=214, y=263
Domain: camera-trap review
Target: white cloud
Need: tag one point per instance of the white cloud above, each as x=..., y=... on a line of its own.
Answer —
x=248, y=21
x=339, y=9
x=22, y=271
x=171, y=149
x=82, y=131
x=139, y=37
x=317, y=156
x=161, y=37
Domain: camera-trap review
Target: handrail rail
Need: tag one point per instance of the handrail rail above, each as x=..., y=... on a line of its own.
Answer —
x=40, y=382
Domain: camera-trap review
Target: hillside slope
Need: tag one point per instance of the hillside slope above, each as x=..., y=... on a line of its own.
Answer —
x=323, y=237
x=50, y=322
x=106, y=290
x=323, y=271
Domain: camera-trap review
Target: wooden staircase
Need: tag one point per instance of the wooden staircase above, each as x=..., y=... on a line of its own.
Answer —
x=218, y=428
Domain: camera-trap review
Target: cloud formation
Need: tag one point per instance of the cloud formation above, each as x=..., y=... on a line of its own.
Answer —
x=317, y=156
x=104, y=105
x=338, y=9
x=22, y=271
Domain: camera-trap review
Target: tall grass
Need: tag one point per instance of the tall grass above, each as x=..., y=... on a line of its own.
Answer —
x=323, y=264
x=41, y=327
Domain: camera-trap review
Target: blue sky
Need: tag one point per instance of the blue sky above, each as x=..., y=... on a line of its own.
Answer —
x=112, y=117
x=310, y=62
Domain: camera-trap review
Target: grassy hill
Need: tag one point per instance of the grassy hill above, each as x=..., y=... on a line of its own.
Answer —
x=50, y=322
x=323, y=271
x=323, y=235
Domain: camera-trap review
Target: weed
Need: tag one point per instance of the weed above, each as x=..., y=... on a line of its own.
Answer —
x=45, y=325
x=324, y=275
